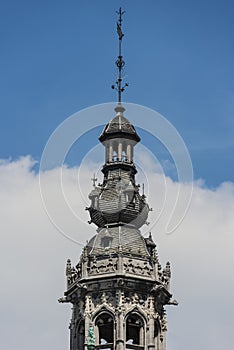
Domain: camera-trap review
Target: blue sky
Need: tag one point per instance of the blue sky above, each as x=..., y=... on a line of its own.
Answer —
x=57, y=57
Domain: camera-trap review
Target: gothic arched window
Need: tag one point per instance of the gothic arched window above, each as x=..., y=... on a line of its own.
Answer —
x=105, y=331
x=134, y=331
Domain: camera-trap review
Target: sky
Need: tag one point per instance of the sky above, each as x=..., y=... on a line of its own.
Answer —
x=57, y=58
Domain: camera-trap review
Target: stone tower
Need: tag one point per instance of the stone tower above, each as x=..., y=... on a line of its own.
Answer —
x=118, y=289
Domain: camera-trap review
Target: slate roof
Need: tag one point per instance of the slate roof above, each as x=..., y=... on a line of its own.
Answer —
x=129, y=238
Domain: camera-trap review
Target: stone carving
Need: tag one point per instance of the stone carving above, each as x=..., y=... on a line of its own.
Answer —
x=72, y=273
x=164, y=323
x=91, y=336
x=138, y=268
x=104, y=298
x=110, y=266
x=106, y=265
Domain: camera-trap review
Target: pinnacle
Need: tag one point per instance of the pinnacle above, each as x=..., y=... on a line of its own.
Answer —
x=119, y=108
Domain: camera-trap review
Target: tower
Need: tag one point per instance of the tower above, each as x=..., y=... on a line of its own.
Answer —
x=118, y=289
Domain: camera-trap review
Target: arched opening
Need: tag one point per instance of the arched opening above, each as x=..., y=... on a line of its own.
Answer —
x=115, y=156
x=124, y=151
x=124, y=156
x=105, y=331
x=134, y=332
x=81, y=335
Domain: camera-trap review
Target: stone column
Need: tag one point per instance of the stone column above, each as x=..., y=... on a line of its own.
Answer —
x=87, y=322
x=120, y=149
x=110, y=152
x=120, y=260
x=71, y=326
x=150, y=338
x=129, y=153
x=107, y=152
x=155, y=265
x=84, y=263
x=120, y=320
x=120, y=331
x=162, y=341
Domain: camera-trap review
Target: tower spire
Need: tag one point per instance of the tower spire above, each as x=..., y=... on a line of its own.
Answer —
x=119, y=62
x=118, y=289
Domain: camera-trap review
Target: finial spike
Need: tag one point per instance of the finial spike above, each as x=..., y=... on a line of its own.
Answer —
x=119, y=62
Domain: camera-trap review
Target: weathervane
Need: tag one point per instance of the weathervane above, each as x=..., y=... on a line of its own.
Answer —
x=119, y=62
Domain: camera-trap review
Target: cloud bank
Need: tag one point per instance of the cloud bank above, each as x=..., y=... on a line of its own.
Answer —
x=34, y=252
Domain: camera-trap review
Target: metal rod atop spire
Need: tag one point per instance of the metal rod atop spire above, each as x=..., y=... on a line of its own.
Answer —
x=120, y=62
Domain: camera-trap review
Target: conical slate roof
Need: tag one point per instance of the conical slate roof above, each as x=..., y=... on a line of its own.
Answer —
x=119, y=126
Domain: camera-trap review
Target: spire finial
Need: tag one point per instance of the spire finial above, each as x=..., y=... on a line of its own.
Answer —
x=119, y=62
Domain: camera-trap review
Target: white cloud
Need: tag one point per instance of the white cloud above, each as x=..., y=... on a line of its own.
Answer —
x=33, y=256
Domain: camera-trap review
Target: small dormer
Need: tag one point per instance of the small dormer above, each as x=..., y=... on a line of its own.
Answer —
x=106, y=240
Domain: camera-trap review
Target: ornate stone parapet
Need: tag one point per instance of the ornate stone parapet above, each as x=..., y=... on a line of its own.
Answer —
x=102, y=266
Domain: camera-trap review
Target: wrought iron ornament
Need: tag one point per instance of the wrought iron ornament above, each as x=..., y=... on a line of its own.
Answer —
x=120, y=62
